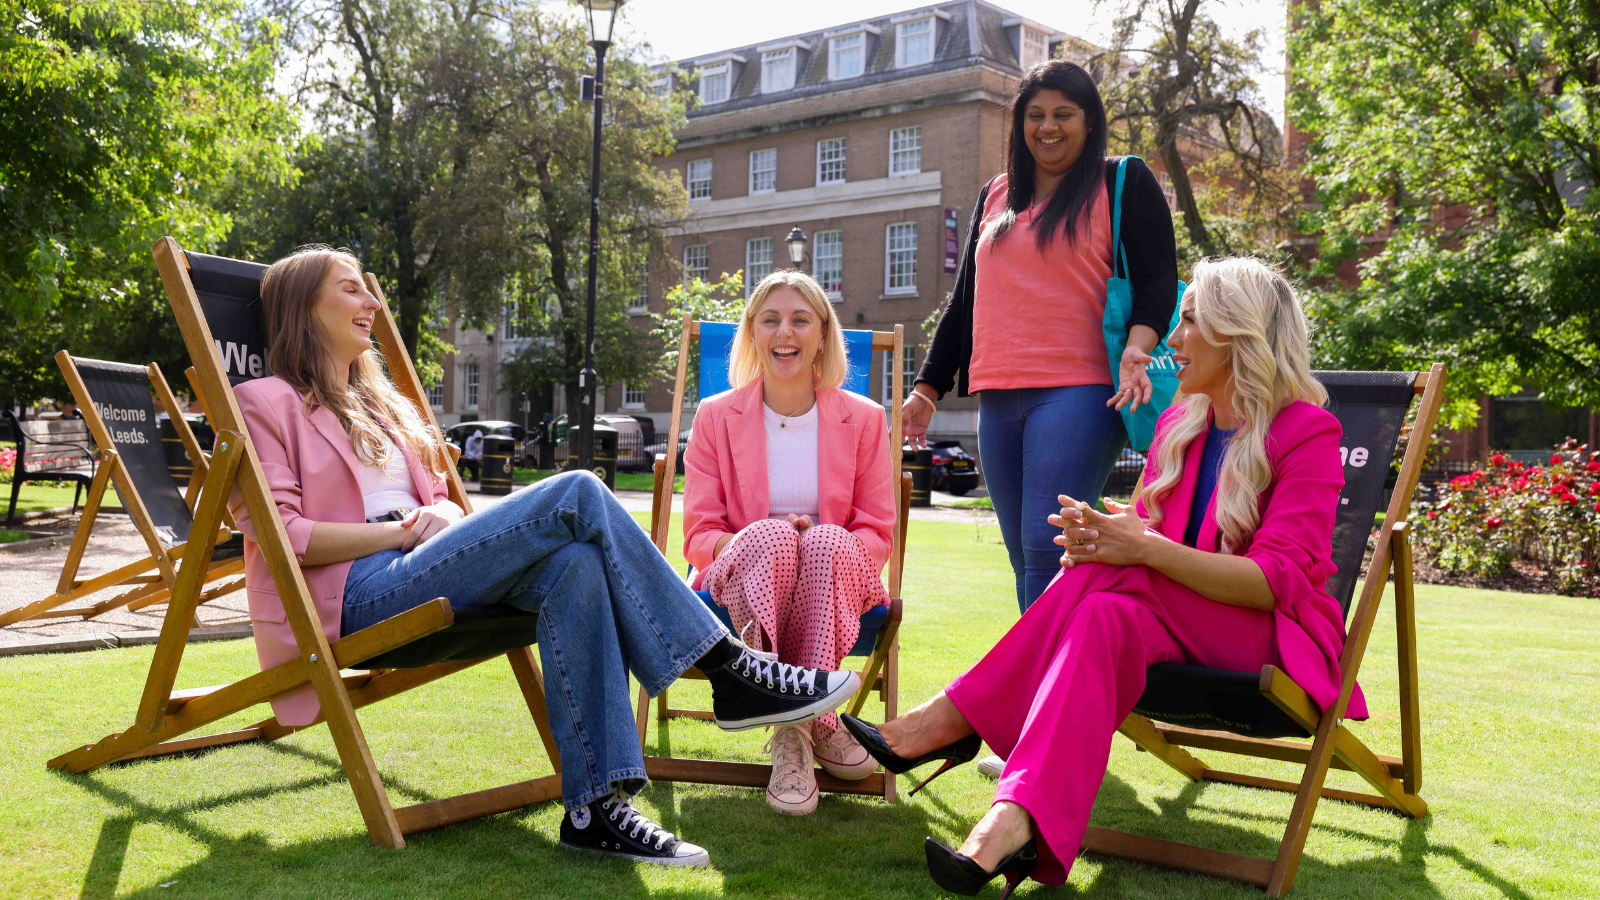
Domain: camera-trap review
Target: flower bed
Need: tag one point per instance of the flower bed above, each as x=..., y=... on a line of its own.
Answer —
x=8, y=463
x=1502, y=519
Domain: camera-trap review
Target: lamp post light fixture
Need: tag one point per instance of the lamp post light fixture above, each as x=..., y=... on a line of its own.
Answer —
x=797, y=246
x=602, y=16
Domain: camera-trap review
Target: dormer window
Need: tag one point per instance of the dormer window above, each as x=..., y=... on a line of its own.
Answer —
x=716, y=82
x=1035, y=48
x=847, y=56
x=777, y=70
x=913, y=43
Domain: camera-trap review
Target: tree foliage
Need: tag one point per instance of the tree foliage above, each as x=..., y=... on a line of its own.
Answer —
x=1188, y=97
x=1454, y=145
x=120, y=121
x=452, y=153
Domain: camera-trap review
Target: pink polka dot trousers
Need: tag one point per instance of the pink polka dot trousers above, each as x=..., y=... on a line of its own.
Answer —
x=805, y=591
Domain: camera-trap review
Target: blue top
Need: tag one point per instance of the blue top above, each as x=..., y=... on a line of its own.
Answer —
x=1210, y=467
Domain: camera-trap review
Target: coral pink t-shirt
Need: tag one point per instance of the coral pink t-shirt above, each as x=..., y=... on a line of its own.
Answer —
x=1036, y=316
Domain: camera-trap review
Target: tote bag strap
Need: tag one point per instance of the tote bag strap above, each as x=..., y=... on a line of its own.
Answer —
x=1119, y=256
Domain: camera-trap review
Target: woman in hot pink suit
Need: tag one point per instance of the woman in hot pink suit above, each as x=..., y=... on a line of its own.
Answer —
x=1222, y=563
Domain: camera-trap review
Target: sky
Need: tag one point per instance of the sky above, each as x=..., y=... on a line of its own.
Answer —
x=678, y=29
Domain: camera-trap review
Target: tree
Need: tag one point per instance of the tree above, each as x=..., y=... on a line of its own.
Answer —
x=1189, y=98
x=1454, y=147
x=120, y=121
x=453, y=156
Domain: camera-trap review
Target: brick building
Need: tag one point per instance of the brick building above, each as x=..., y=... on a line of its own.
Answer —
x=873, y=137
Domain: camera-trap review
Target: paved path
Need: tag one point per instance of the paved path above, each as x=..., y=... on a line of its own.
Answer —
x=27, y=576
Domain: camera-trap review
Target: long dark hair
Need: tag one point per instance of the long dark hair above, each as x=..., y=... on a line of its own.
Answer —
x=1086, y=178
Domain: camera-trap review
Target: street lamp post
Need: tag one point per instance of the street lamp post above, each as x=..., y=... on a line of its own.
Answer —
x=797, y=246
x=602, y=16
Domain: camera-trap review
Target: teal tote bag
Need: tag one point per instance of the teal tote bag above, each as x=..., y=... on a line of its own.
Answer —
x=1163, y=370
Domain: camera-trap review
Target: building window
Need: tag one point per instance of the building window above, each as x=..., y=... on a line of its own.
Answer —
x=1167, y=190
x=905, y=150
x=470, y=383
x=827, y=262
x=777, y=71
x=632, y=396
x=716, y=82
x=847, y=56
x=913, y=43
x=900, y=259
x=1035, y=47
x=700, y=179
x=830, y=161
x=908, y=375
x=696, y=263
x=763, y=171
x=661, y=86
x=509, y=330
x=641, y=300
x=757, y=263
x=436, y=395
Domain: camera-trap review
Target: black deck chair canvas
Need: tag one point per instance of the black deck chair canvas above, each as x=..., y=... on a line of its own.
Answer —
x=217, y=305
x=1257, y=713
x=115, y=400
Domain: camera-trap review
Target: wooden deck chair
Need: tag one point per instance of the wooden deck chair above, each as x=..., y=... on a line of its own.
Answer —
x=880, y=626
x=217, y=304
x=1252, y=714
x=133, y=458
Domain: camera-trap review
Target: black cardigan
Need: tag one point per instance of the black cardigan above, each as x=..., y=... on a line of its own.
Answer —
x=1147, y=239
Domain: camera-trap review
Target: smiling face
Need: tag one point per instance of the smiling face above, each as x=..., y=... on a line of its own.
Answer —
x=345, y=309
x=1055, y=130
x=788, y=334
x=1204, y=367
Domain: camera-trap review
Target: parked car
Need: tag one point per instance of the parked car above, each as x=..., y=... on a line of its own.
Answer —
x=632, y=452
x=457, y=435
x=954, y=469
x=1125, y=474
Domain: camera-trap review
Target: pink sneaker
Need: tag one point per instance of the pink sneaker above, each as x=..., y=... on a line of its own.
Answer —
x=792, y=790
x=843, y=758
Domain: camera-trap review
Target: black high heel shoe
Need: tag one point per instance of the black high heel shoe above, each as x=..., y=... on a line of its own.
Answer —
x=960, y=875
x=954, y=753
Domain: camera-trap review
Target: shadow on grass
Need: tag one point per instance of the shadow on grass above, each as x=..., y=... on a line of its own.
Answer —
x=1117, y=806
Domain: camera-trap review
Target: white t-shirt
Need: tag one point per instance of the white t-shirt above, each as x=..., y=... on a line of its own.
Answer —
x=389, y=488
x=791, y=463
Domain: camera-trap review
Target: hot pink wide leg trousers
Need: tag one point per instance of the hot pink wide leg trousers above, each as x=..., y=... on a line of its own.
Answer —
x=1050, y=695
x=807, y=590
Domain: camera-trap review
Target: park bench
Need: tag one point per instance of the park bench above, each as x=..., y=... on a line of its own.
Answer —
x=50, y=450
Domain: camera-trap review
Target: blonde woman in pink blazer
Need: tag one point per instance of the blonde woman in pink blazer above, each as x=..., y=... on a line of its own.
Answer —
x=788, y=508
x=1222, y=563
x=358, y=481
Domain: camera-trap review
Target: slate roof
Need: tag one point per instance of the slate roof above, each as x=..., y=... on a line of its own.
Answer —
x=974, y=32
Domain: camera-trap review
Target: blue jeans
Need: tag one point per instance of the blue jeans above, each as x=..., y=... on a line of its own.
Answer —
x=608, y=604
x=1036, y=443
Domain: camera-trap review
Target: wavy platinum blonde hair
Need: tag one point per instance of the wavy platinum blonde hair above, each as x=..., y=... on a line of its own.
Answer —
x=745, y=362
x=1252, y=308
x=371, y=407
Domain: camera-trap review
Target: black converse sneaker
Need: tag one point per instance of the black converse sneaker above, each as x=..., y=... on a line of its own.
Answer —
x=612, y=826
x=754, y=689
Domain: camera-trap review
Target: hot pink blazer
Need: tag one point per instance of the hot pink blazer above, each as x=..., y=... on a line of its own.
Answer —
x=725, y=471
x=310, y=466
x=1293, y=544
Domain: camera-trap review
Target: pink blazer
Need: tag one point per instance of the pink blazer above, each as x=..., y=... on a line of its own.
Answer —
x=725, y=471
x=310, y=466
x=1293, y=544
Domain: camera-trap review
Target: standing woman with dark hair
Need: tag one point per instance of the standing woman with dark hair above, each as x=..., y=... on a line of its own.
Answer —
x=1022, y=329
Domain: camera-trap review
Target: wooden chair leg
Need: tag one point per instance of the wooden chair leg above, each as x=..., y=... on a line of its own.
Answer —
x=1405, y=616
x=642, y=717
x=891, y=703
x=531, y=680
x=1287, y=863
x=1143, y=732
x=661, y=706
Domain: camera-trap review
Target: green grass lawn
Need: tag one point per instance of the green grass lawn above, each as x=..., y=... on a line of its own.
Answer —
x=44, y=495
x=1512, y=754
x=8, y=537
x=626, y=481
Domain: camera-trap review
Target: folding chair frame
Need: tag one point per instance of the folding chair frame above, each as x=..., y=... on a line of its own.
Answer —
x=882, y=670
x=166, y=715
x=1396, y=779
x=148, y=590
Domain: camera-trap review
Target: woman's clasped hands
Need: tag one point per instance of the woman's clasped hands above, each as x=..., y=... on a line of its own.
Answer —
x=1117, y=536
x=423, y=523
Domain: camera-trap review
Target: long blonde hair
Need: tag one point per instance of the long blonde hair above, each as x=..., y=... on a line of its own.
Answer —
x=371, y=407
x=1253, y=308
x=745, y=363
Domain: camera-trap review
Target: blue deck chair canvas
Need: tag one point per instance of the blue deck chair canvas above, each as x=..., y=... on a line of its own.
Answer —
x=879, y=626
